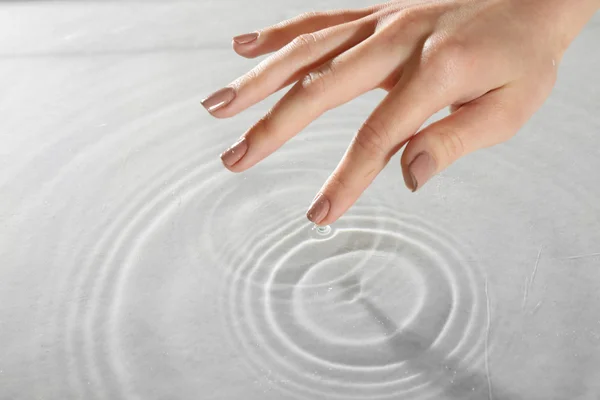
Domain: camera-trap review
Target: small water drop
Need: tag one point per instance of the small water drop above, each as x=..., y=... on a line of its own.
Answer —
x=323, y=230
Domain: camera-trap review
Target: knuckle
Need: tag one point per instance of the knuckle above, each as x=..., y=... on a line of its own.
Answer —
x=445, y=61
x=373, y=138
x=317, y=81
x=309, y=15
x=399, y=17
x=312, y=83
x=393, y=28
x=454, y=50
x=408, y=15
x=389, y=39
x=452, y=144
x=253, y=74
x=305, y=43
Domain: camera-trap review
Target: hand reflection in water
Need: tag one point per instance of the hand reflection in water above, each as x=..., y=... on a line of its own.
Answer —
x=455, y=381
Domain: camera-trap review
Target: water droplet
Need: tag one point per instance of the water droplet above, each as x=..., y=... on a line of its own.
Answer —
x=323, y=230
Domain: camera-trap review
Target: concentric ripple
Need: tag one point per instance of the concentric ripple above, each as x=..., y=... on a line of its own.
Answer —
x=382, y=306
x=134, y=266
x=136, y=270
x=378, y=305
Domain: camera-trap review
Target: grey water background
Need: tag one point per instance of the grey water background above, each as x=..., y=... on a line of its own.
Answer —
x=133, y=266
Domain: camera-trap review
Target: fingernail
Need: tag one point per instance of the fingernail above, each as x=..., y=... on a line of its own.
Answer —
x=218, y=99
x=420, y=170
x=235, y=152
x=318, y=209
x=246, y=38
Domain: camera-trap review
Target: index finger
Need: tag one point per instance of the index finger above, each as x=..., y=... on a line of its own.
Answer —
x=395, y=120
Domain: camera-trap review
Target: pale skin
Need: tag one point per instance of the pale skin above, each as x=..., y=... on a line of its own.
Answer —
x=493, y=62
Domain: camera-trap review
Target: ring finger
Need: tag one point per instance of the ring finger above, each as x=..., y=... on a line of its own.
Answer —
x=286, y=66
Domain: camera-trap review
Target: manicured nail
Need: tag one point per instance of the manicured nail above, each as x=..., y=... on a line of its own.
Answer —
x=218, y=99
x=420, y=170
x=318, y=209
x=235, y=152
x=246, y=38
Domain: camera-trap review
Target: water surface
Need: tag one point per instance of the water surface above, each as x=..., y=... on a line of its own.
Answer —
x=133, y=266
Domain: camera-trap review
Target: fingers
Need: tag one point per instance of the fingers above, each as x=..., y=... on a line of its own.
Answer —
x=334, y=83
x=393, y=122
x=486, y=121
x=275, y=37
x=286, y=66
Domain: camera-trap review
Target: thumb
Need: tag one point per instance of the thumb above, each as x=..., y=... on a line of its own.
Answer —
x=483, y=122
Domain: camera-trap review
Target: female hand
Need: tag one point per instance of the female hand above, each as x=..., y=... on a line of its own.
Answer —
x=492, y=61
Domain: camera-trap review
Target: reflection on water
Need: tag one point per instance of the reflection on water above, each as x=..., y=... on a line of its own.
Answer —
x=325, y=312
x=454, y=379
x=351, y=288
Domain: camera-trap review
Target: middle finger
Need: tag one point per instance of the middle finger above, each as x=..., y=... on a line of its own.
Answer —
x=334, y=83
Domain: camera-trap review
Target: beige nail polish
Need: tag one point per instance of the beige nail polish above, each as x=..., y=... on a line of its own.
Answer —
x=219, y=99
x=246, y=38
x=235, y=153
x=420, y=170
x=318, y=209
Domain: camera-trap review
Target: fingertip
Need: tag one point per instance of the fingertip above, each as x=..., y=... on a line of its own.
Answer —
x=420, y=170
x=246, y=38
x=332, y=201
x=236, y=168
x=319, y=209
x=221, y=114
x=232, y=156
x=409, y=179
x=327, y=221
x=247, y=45
x=245, y=50
x=217, y=103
